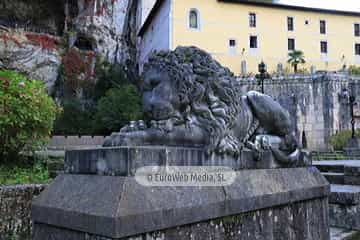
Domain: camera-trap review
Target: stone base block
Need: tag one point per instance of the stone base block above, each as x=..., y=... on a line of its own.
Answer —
x=124, y=161
x=297, y=221
x=260, y=204
x=345, y=216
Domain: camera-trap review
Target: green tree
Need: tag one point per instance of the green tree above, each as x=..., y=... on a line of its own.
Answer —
x=117, y=108
x=296, y=57
x=75, y=119
x=26, y=114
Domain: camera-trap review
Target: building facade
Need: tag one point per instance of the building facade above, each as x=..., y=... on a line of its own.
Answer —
x=240, y=33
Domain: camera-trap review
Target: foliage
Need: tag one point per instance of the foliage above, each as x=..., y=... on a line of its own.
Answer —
x=77, y=70
x=354, y=70
x=108, y=76
x=81, y=116
x=45, y=41
x=296, y=57
x=23, y=173
x=117, y=108
x=26, y=114
x=340, y=139
x=74, y=120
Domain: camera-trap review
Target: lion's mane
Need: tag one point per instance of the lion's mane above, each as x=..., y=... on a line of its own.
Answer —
x=206, y=91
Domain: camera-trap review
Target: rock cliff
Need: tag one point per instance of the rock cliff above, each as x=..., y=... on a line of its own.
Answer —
x=35, y=34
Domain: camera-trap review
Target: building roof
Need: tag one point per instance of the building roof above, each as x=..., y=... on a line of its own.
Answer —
x=261, y=3
x=292, y=7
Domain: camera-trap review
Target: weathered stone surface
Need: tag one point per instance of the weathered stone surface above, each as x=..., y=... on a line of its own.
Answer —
x=330, y=166
x=110, y=30
x=315, y=103
x=35, y=62
x=118, y=206
x=353, y=169
x=344, y=216
x=298, y=221
x=345, y=194
x=351, y=180
x=343, y=234
x=15, y=202
x=124, y=161
x=353, y=147
x=334, y=178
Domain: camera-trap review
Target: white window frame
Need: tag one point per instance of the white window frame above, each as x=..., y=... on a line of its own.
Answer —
x=287, y=44
x=256, y=20
x=232, y=49
x=324, y=56
x=198, y=19
x=254, y=51
x=326, y=27
x=354, y=29
x=293, y=24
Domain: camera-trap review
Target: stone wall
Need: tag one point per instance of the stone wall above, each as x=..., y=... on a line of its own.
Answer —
x=15, y=202
x=63, y=142
x=316, y=103
x=298, y=221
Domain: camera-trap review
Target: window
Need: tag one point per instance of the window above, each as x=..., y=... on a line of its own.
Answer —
x=357, y=30
x=322, y=27
x=252, y=20
x=193, y=19
x=291, y=44
x=253, y=42
x=357, y=49
x=290, y=23
x=232, y=47
x=324, y=47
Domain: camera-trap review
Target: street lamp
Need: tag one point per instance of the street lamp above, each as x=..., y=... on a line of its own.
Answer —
x=352, y=100
x=262, y=75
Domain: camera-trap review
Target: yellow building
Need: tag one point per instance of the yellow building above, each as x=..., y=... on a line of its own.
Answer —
x=240, y=33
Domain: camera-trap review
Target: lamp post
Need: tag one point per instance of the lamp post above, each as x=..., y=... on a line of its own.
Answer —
x=262, y=75
x=352, y=102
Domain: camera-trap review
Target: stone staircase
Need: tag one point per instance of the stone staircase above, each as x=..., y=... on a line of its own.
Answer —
x=344, y=201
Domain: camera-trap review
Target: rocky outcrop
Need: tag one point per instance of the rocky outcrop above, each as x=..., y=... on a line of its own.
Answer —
x=108, y=28
x=19, y=53
x=105, y=27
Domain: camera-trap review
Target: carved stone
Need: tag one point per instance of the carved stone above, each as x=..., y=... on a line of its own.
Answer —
x=192, y=100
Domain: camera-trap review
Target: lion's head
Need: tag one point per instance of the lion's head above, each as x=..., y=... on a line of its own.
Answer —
x=190, y=87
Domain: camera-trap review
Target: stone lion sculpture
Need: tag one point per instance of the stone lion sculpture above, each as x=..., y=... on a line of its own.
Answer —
x=192, y=100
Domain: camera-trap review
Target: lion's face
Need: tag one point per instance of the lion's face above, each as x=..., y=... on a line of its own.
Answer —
x=160, y=100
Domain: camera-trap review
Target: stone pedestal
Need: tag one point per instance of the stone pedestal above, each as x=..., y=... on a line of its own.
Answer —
x=352, y=148
x=98, y=198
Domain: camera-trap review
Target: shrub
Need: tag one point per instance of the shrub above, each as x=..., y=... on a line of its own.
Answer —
x=75, y=119
x=117, y=108
x=340, y=139
x=354, y=70
x=26, y=114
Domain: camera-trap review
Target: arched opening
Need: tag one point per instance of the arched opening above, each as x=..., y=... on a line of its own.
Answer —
x=194, y=19
x=84, y=43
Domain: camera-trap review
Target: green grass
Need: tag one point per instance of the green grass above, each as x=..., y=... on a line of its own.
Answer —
x=336, y=155
x=20, y=173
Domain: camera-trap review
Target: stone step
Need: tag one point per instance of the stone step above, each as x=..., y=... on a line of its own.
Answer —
x=343, y=234
x=330, y=168
x=334, y=178
x=344, y=194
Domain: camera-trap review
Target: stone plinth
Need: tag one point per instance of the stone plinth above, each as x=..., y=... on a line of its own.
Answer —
x=277, y=203
x=123, y=161
x=352, y=148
